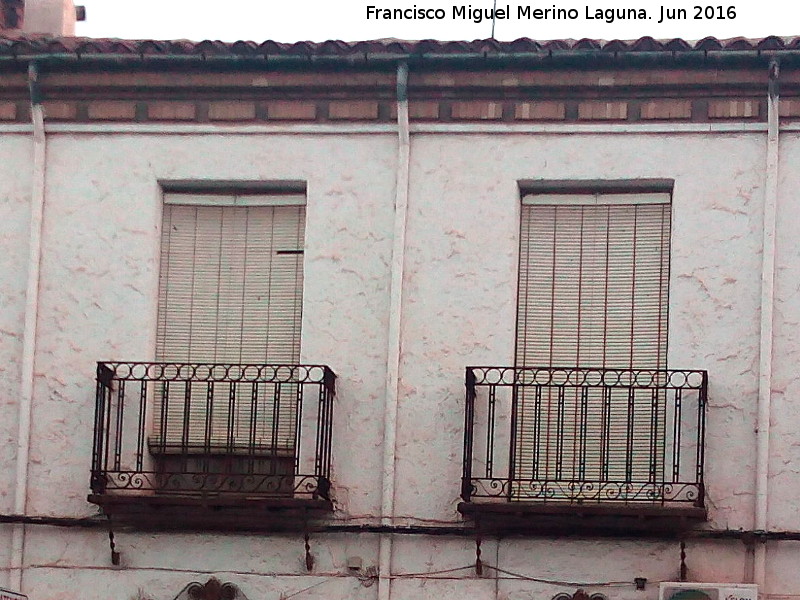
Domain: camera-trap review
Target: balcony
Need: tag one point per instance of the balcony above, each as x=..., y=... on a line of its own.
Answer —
x=212, y=445
x=568, y=449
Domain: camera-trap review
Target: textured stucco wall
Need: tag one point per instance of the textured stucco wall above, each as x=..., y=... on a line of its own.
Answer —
x=98, y=301
x=15, y=187
x=101, y=234
x=15, y=177
x=784, y=502
x=461, y=274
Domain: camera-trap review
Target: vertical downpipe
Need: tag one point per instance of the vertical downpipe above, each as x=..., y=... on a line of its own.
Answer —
x=29, y=332
x=395, y=319
x=767, y=309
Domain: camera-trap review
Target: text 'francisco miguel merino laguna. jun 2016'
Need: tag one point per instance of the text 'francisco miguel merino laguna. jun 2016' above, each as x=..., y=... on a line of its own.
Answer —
x=467, y=12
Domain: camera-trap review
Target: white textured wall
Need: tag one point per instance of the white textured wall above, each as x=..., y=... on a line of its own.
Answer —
x=785, y=460
x=98, y=301
x=99, y=282
x=15, y=176
x=461, y=286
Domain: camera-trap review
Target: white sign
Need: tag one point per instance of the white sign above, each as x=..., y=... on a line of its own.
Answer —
x=9, y=595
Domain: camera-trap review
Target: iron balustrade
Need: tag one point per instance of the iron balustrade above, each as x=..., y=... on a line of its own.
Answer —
x=213, y=430
x=584, y=435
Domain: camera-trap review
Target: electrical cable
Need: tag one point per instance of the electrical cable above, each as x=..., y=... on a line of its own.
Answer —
x=421, y=574
x=447, y=528
x=578, y=584
x=311, y=587
x=330, y=576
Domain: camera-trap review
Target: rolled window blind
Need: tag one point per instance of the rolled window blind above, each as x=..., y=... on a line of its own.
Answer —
x=593, y=284
x=230, y=291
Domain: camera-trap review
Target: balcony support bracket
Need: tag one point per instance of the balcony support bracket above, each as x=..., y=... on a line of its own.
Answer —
x=478, y=561
x=115, y=555
x=306, y=538
x=684, y=570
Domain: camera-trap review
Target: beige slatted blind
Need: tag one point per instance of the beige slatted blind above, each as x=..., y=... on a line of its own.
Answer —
x=230, y=292
x=593, y=285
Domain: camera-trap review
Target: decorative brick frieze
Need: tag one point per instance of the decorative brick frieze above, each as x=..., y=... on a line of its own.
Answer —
x=111, y=110
x=418, y=110
x=572, y=80
x=733, y=109
x=231, y=110
x=356, y=110
x=423, y=110
x=511, y=93
x=540, y=111
x=171, y=111
x=56, y=110
x=289, y=110
x=666, y=109
x=315, y=108
x=216, y=80
x=477, y=110
x=8, y=111
x=602, y=111
x=789, y=107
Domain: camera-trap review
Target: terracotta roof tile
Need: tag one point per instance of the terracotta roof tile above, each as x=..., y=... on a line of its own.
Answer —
x=646, y=44
x=772, y=42
x=739, y=44
x=587, y=44
x=677, y=45
x=708, y=43
x=12, y=44
x=617, y=46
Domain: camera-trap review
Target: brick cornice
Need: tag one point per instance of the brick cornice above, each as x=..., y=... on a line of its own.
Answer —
x=649, y=95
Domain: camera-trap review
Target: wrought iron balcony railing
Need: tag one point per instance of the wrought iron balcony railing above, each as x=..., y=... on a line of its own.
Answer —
x=224, y=430
x=583, y=435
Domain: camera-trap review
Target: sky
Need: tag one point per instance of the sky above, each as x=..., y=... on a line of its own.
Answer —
x=294, y=20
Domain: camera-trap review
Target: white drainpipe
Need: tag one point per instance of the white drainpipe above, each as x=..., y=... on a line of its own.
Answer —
x=29, y=332
x=767, y=310
x=395, y=319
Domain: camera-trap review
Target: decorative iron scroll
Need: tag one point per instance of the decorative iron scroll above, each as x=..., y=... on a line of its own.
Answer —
x=213, y=589
x=588, y=377
x=183, y=483
x=196, y=429
x=584, y=435
x=589, y=491
x=579, y=595
x=215, y=372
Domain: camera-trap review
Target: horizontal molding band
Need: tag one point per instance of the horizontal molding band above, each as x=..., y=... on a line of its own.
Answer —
x=426, y=128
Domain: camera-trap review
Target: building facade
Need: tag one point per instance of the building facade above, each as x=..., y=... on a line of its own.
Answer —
x=398, y=320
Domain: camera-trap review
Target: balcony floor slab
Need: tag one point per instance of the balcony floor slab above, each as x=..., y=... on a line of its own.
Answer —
x=160, y=512
x=615, y=519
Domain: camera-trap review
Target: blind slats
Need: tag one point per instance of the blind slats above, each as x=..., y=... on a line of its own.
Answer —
x=593, y=281
x=227, y=294
x=592, y=274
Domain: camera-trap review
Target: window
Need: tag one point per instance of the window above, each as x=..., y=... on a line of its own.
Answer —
x=225, y=416
x=230, y=293
x=593, y=284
